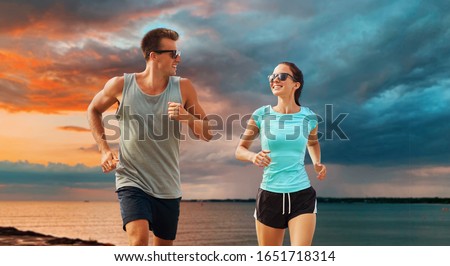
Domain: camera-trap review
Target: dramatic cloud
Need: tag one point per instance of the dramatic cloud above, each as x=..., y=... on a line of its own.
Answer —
x=376, y=73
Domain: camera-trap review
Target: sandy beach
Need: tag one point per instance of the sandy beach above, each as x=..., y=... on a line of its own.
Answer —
x=10, y=236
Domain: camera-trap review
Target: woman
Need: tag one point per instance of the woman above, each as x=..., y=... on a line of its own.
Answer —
x=285, y=198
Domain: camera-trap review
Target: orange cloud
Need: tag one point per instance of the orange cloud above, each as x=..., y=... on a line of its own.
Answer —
x=21, y=64
x=74, y=128
x=59, y=54
x=43, y=84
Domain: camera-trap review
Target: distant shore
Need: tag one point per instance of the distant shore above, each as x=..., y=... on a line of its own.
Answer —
x=10, y=236
x=349, y=200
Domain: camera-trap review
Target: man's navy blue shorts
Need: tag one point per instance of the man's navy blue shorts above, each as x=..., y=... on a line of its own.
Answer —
x=161, y=214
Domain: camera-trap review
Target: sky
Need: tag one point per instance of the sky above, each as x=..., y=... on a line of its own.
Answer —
x=376, y=74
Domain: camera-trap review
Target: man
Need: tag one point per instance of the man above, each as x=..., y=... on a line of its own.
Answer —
x=152, y=105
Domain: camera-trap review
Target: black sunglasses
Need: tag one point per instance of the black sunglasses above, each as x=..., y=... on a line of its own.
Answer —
x=280, y=76
x=174, y=53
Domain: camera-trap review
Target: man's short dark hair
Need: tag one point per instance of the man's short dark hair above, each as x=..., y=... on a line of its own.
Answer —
x=152, y=40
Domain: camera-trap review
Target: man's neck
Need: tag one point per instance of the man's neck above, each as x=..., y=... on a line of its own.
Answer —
x=152, y=81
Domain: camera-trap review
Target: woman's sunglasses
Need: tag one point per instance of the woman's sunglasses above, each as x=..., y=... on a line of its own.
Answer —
x=280, y=76
x=173, y=53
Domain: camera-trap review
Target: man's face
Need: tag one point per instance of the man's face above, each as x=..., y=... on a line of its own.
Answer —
x=165, y=60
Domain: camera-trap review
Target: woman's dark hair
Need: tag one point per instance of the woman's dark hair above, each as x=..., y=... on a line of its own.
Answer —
x=298, y=76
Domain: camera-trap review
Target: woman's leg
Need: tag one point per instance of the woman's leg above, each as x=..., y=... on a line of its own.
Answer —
x=268, y=236
x=301, y=229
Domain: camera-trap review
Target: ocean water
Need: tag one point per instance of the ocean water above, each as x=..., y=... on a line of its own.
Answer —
x=229, y=224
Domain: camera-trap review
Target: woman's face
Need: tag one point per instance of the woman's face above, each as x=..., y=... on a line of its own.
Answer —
x=279, y=86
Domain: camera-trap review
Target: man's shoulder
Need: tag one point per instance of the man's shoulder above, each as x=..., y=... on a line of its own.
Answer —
x=186, y=85
x=117, y=80
x=115, y=85
x=184, y=81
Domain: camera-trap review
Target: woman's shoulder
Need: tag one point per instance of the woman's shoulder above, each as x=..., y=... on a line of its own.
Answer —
x=261, y=110
x=307, y=110
x=258, y=114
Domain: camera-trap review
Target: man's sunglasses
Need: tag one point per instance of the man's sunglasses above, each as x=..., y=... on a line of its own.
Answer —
x=280, y=76
x=173, y=53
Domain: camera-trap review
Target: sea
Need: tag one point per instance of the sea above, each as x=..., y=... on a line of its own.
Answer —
x=232, y=223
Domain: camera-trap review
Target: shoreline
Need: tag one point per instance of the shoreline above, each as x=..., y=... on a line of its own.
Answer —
x=11, y=236
x=410, y=200
x=427, y=200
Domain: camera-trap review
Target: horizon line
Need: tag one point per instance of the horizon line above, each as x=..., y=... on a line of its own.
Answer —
x=321, y=199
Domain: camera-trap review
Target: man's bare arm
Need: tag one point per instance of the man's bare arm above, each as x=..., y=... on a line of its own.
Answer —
x=195, y=116
x=101, y=102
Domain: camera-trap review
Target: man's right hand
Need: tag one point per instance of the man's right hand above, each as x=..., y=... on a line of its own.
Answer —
x=109, y=161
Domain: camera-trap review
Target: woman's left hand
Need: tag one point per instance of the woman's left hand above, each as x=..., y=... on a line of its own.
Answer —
x=321, y=170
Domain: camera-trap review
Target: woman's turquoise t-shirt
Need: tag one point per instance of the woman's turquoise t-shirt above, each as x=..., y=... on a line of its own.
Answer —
x=286, y=136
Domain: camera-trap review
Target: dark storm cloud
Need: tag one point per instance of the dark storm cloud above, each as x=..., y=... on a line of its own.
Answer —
x=72, y=15
x=382, y=63
x=54, y=174
x=357, y=63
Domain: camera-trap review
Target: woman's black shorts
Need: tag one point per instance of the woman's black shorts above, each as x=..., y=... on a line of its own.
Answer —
x=276, y=209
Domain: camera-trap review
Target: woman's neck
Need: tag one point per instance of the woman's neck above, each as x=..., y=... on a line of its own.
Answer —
x=286, y=106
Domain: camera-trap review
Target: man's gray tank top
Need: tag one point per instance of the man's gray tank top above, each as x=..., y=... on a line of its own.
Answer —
x=149, y=140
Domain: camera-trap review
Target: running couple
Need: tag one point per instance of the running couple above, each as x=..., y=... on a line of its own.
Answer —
x=152, y=106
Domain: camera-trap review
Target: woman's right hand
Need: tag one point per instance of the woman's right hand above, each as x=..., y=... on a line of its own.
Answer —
x=261, y=158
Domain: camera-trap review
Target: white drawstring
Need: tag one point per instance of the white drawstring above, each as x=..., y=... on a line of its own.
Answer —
x=289, y=202
x=289, y=199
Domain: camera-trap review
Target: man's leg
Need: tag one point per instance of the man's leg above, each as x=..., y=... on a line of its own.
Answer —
x=161, y=242
x=136, y=213
x=165, y=220
x=138, y=232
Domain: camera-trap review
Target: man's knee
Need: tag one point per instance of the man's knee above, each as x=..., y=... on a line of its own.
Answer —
x=138, y=233
x=161, y=242
x=137, y=240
